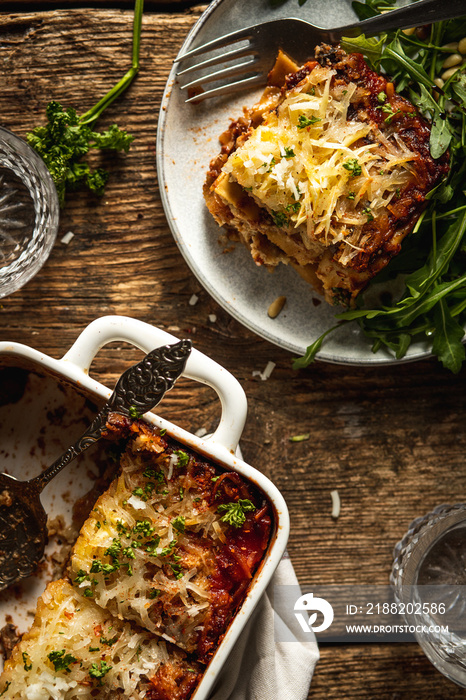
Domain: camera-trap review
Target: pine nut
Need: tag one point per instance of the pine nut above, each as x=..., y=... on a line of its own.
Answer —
x=452, y=46
x=453, y=60
x=276, y=306
x=448, y=73
x=462, y=45
x=409, y=32
x=439, y=82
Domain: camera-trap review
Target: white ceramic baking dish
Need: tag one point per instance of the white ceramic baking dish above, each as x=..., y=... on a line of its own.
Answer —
x=221, y=446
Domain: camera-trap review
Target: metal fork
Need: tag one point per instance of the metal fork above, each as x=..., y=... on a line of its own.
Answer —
x=260, y=42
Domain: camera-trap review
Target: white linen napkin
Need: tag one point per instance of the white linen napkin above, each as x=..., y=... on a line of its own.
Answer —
x=261, y=668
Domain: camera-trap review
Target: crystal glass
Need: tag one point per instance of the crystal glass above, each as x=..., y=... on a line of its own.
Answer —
x=29, y=212
x=429, y=580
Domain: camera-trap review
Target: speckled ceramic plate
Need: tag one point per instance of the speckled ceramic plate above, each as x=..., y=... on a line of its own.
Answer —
x=187, y=141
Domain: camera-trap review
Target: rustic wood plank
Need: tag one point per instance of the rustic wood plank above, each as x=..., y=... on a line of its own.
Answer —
x=391, y=439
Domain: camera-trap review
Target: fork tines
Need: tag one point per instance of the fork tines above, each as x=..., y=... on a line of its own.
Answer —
x=250, y=69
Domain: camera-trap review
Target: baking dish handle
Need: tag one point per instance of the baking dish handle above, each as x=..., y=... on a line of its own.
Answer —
x=198, y=367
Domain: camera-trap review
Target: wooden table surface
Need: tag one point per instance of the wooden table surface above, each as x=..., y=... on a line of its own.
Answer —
x=390, y=439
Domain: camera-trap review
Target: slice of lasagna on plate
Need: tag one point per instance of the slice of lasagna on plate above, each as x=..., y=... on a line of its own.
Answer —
x=328, y=172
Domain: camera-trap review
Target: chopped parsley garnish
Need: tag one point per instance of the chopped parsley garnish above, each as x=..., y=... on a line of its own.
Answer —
x=25, y=655
x=368, y=212
x=388, y=110
x=167, y=551
x=81, y=576
x=94, y=648
x=183, y=458
x=177, y=570
x=179, y=523
x=353, y=166
x=295, y=207
x=279, y=218
x=128, y=552
x=234, y=513
x=61, y=660
x=144, y=493
x=381, y=97
x=88, y=593
x=150, y=473
x=7, y=685
x=288, y=152
x=215, y=478
x=144, y=527
x=304, y=121
x=351, y=195
x=269, y=166
x=96, y=672
x=114, y=550
x=133, y=412
x=152, y=545
x=154, y=592
x=162, y=432
x=122, y=528
x=109, y=642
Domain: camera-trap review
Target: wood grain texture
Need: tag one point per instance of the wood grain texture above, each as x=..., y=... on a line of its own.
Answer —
x=391, y=440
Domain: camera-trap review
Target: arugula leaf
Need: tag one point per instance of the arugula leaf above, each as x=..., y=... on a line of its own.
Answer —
x=395, y=51
x=67, y=137
x=459, y=85
x=448, y=335
x=441, y=135
x=439, y=258
x=371, y=47
x=312, y=350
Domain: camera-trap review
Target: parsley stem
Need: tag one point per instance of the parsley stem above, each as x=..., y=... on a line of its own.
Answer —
x=94, y=113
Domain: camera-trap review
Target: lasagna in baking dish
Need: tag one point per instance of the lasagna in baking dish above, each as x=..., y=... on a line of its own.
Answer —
x=328, y=172
x=77, y=650
x=160, y=568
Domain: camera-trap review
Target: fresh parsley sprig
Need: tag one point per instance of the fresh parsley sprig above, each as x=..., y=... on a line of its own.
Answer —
x=67, y=137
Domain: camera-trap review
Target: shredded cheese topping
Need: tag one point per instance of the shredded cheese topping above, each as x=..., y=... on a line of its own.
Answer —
x=319, y=172
x=93, y=652
x=146, y=547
